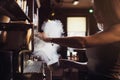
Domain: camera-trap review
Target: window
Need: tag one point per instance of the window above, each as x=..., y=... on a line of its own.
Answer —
x=76, y=26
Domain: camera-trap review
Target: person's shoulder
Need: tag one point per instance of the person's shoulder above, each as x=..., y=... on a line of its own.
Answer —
x=116, y=27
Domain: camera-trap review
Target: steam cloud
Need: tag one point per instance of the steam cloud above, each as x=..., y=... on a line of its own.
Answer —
x=45, y=50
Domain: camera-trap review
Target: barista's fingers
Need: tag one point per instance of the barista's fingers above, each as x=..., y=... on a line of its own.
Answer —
x=42, y=36
x=37, y=35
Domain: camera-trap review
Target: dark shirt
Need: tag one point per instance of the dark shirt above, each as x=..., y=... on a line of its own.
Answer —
x=105, y=60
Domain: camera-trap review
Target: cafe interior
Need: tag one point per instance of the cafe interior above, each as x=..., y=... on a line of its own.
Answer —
x=23, y=56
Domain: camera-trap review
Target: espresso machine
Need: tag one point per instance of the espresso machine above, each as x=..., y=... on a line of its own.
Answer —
x=14, y=38
x=17, y=61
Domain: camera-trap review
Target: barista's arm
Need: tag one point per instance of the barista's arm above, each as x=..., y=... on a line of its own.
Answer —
x=108, y=36
x=105, y=37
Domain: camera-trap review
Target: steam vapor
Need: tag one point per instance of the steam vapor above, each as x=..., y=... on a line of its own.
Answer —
x=45, y=50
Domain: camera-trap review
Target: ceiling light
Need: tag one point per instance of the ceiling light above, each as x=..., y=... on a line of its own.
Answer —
x=90, y=10
x=75, y=2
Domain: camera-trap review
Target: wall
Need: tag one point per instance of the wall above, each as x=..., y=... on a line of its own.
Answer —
x=62, y=14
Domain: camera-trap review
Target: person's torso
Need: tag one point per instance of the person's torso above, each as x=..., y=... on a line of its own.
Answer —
x=105, y=60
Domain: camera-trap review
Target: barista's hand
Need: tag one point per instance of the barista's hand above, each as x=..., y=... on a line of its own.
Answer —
x=43, y=36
